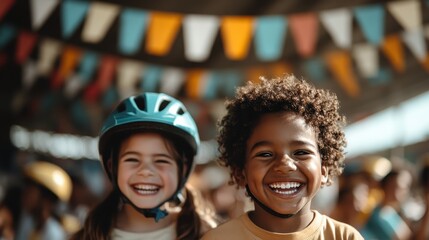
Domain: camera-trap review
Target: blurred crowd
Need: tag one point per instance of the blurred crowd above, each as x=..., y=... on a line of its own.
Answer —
x=382, y=198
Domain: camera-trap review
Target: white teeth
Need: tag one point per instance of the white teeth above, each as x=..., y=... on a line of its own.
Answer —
x=146, y=187
x=285, y=185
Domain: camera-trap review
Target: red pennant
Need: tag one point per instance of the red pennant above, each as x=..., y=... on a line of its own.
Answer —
x=26, y=41
x=5, y=6
x=92, y=93
x=106, y=72
x=304, y=29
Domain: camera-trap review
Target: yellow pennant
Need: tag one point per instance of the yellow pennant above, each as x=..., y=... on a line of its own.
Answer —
x=236, y=33
x=162, y=30
x=339, y=62
x=393, y=50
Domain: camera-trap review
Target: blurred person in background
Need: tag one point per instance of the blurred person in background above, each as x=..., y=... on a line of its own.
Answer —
x=10, y=210
x=422, y=229
x=147, y=146
x=45, y=186
x=386, y=220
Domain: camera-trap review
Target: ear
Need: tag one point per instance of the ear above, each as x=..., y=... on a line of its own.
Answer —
x=325, y=177
x=240, y=176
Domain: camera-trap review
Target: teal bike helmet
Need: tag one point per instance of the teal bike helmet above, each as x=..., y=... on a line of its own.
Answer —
x=151, y=112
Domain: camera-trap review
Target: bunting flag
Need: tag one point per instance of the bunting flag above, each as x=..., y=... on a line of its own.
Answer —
x=73, y=85
x=69, y=61
x=270, y=34
x=255, y=73
x=382, y=77
x=87, y=66
x=132, y=28
x=366, y=57
x=279, y=69
x=110, y=98
x=26, y=42
x=40, y=11
x=392, y=48
x=371, y=20
x=29, y=74
x=99, y=19
x=407, y=13
x=338, y=23
x=48, y=52
x=195, y=83
x=236, y=34
x=304, y=29
x=5, y=6
x=150, y=78
x=199, y=33
x=415, y=41
x=171, y=81
x=163, y=28
x=315, y=68
x=230, y=81
x=339, y=63
x=72, y=15
x=106, y=72
x=7, y=33
x=128, y=75
x=210, y=87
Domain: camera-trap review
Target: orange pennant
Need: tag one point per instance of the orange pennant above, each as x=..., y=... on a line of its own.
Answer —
x=26, y=41
x=193, y=83
x=162, y=30
x=280, y=69
x=236, y=34
x=69, y=60
x=425, y=63
x=393, y=50
x=304, y=28
x=339, y=62
x=253, y=74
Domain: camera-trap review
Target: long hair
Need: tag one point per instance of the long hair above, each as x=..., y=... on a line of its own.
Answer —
x=100, y=220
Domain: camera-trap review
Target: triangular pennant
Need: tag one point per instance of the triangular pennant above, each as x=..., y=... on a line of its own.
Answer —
x=5, y=6
x=72, y=15
x=171, y=81
x=279, y=69
x=210, y=87
x=315, y=68
x=87, y=66
x=106, y=72
x=366, y=57
x=69, y=60
x=99, y=19
x=26, y=42
x=48, y=52
x=304, y=28
x=194, y=83
x=236, y=34
x=340, y=64
x=199, y=33
x=73, y=85
x=163, y=28
x=150, y=78
x=7, y=32
x=407, y=13
x=40, y=11
x=382, y=77
x=128, y=74
x=338, y=23
x=230, y=80
x=371, y=20
x=29, y=75
x=131, y=30
x=110, y=98
x=394, y=52
x=270, y=34
x=415, y=41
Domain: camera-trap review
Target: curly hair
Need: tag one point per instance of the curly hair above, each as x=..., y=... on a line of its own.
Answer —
x=319, y=108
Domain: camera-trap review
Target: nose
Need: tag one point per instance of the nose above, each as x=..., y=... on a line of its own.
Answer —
x=285, y=164
x=146, y=169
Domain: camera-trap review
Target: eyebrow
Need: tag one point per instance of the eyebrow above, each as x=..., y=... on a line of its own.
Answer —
x=294, y=142
x=137, y=153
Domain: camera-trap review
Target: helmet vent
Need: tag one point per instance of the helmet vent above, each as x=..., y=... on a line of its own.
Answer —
x=180, y=111
x=163, y=104
x=141, y=103
x=121, y=107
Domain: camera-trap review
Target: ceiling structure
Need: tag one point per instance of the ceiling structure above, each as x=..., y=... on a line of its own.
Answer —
x=30, y=107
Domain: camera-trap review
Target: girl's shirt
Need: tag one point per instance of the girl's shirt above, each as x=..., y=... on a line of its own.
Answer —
x=322, y=227
x=167, y=233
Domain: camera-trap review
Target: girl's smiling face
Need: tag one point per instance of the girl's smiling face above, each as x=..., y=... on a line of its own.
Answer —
x=283, y=166
x=147, y=169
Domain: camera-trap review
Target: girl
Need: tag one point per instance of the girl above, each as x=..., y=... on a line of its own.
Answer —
x=147, y=146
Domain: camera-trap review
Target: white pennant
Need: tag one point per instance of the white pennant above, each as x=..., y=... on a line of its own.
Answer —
x=99, y=19
x=29, y=74
x=49, y=51
x=40, y=11
x=171, y=81
x=366, y=57
x=338, y=23
x=199, y=33
x=73, y=85
x=407, y=13
x=415, y=41
x=128, y=75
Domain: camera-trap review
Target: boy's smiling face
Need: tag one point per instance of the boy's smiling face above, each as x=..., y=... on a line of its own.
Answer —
x=283, y=165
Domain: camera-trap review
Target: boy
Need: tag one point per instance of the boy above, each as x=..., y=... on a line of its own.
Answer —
x=282, y=140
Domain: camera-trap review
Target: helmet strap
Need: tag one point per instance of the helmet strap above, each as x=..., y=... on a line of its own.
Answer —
x=265, y=207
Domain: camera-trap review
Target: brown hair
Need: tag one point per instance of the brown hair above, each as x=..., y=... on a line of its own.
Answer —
x=318, y=107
